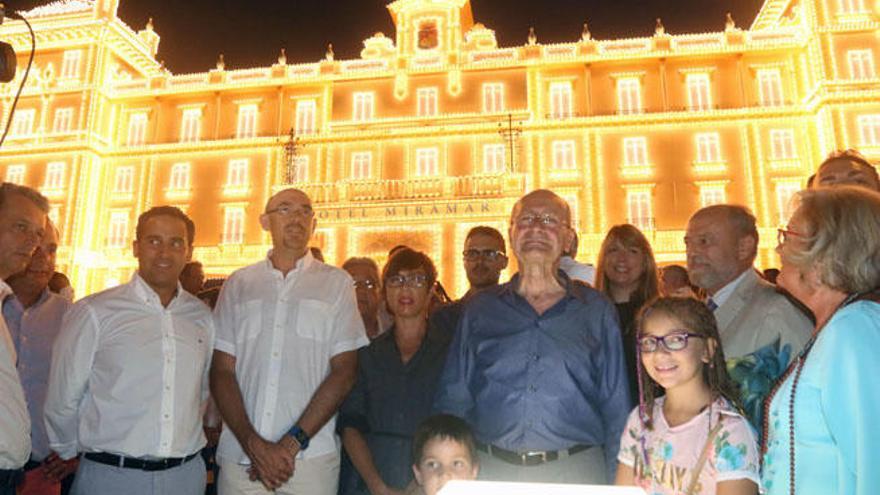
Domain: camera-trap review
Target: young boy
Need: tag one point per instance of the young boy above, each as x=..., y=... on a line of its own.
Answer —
x=443, y=450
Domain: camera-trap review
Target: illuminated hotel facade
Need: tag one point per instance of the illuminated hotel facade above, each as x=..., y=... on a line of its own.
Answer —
x=434, y=130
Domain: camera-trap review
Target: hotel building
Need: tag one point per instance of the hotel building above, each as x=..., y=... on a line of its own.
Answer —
x=433, y=130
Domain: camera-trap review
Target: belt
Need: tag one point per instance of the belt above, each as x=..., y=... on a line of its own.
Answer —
x=135, y=463
x=10, y=478
x=531, y=457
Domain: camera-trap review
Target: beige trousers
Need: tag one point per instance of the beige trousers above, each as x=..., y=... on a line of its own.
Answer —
x=316, y=476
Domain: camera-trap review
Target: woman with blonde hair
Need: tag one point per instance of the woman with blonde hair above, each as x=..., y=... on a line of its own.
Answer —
x=627, y=274
x=820, y=422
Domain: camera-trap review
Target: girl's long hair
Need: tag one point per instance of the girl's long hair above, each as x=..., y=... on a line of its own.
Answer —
x=696, y=318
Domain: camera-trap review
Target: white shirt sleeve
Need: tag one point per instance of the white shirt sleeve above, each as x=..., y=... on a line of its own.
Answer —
x=224, y=318
x=348, y=326
x=72, y=358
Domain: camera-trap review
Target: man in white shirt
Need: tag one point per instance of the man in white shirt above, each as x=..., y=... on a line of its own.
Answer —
x=22, y=224
x=284, y=360
x=576, y=270
x=129, y=374
x=34, y=320
x=722, y=243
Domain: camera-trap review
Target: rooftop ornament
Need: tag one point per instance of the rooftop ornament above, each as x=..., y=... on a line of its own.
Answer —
x=729, y=24
x=533, y=38
x=329, y=56
x=659, y=30
x=585, y=34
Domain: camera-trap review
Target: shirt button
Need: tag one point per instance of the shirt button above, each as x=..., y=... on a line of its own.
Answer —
x=276, y=354
x=535, y=357
x=167, y=416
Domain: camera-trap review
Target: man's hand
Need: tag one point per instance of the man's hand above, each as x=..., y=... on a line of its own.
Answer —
x=56, y=469
x=212, y=433
x=271, y=463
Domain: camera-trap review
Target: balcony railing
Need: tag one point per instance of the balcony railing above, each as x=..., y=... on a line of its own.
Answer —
x=471, y=186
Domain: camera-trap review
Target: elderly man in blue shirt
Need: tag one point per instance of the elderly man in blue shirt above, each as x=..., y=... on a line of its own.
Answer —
x=536, y=366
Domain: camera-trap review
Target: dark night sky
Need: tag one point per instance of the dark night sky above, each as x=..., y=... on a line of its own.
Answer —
x=250, y=33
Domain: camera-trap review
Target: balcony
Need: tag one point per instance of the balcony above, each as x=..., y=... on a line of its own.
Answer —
x=470, y=186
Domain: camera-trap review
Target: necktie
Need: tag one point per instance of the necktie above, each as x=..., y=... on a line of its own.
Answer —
x=710, y=303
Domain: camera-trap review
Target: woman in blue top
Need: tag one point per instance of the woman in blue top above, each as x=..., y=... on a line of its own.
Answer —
x=396, y=381
x=822, y=415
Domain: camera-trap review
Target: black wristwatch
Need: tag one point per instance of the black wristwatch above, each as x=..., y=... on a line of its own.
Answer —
x=301, y=437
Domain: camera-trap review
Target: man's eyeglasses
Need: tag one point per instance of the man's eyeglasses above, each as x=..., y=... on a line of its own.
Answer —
x=288, y=210
x=782, y=235
x=543, y=219
x=365, y=284
x=412, y=281
x=488, y=254
x=672, y=342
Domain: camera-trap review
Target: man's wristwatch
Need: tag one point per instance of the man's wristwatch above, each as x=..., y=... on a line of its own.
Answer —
x=301, y=437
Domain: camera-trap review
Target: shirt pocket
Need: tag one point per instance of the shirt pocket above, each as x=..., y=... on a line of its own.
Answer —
x=248, y=321
x=313, y=320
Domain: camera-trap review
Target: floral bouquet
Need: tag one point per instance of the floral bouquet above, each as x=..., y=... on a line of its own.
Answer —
x=755, y=375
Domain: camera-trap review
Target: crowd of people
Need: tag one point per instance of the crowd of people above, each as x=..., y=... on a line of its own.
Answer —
x=704, y=379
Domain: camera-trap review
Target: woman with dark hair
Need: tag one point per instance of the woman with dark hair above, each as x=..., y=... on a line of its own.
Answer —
x=627, y=274
x=397, y=378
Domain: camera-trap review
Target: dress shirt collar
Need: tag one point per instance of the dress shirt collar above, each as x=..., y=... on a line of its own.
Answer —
x=44, y=296
x=5, y=290
x=725, y=292
x=144, y=292
x=303, y=263
x=563, y=278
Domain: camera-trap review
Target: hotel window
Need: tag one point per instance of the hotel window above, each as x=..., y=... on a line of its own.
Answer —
x=117, y=232
x=63, y=120
x=301, y=170
x=233, y=225
x=191, y=127
x=782, y=144
x=237, y=174
x=247, y=121
x=137, y=129
x=70, y=64
x=361, y=165
x=708, y=147
x=635, y=152
x=769, y=88
x=427, y=102
x=493, y=97
x=712, y=195
x=363, y=106
x=638, y=209
x=560, y=100
x=629, y=95
x=869, y=129
x=305, y=117
x=427, y=162
x=563, y=155
x=23, y=122
x=54, y=176
x=15, y=174
x=861, y=64
x=785, y=191
x=54, y=214
x=493, y=158
x=123, y=183
x=179, y=180
x=698, y=92
x=851, y=6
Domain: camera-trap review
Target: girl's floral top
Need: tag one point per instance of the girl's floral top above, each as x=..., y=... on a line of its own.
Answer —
x=664, y=458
